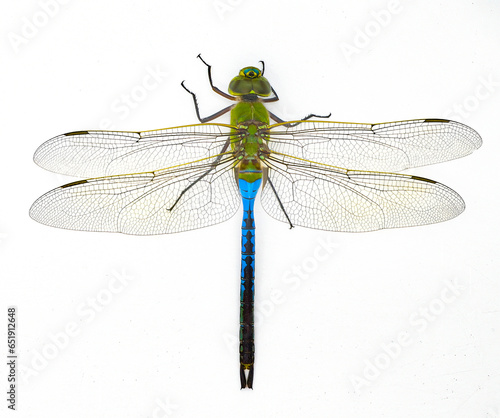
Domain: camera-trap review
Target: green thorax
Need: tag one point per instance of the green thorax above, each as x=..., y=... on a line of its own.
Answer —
x=250, y=119
x=245, y=112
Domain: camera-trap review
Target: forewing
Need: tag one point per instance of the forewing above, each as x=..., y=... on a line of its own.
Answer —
x=160, y=202
x=105, y=153
x=333, y=199
x=392, y=146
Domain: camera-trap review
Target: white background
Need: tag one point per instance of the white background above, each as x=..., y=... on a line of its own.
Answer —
x=163, y=344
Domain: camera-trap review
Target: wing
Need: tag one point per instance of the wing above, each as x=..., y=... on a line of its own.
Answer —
x=393, y=146
x=178, y=199
x=105, y=153
x=335, y=199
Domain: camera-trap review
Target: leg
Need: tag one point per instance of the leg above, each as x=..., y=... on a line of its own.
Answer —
x=263, y=67
x=279, y=201
x=217, y=90
x=289, y=125
x=214, y=164
x=208, y=118
x=271, y=99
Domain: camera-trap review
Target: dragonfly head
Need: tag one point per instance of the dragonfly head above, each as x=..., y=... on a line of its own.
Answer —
x=249, y=81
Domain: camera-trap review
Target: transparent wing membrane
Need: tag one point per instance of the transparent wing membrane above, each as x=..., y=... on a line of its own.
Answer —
x=392, y=146
x=326, y=175
x=105, y=153
x=160, y=202
x=332, y=199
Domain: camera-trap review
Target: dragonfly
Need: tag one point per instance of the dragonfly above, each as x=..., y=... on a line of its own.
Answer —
x=333, y=176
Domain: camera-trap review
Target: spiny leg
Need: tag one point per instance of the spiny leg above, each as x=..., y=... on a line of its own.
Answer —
x=217, y=90
x=263, y=67
x=290, y=125
x=219, y=157
x=279, y=202
x=208, y=118
x=278, y=119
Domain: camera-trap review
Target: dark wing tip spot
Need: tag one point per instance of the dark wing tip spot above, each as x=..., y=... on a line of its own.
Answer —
x=74, y=183
x=437, y=120
x=77, y=133
x=423, y=179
